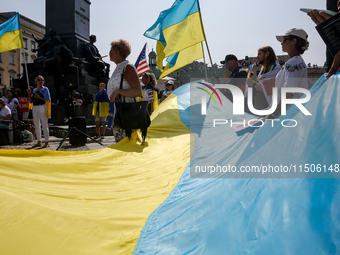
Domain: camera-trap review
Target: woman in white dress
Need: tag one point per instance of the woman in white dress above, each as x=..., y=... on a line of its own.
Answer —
x=294, y=71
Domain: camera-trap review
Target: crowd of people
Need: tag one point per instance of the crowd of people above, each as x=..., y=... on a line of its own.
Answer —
x=125, y=84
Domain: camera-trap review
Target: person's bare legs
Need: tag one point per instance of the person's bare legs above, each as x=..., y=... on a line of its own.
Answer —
x=97, y=127
x=103, y=129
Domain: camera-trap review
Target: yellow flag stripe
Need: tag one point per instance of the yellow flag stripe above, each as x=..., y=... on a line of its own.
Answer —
x=11, y=40
x=183, y=34
x=93, y=202
x=186, y=56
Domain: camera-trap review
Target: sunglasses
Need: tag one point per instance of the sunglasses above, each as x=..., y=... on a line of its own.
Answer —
x=287, y=38
x=167, y=85
x=40, y=80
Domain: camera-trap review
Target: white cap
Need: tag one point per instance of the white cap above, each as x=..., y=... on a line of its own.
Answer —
x=169, y=82
x=298, y=32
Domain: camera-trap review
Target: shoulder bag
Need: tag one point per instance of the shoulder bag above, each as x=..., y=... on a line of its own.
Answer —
x=133, y=115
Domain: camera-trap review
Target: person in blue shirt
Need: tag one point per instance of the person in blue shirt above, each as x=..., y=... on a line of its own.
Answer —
x=101, y=109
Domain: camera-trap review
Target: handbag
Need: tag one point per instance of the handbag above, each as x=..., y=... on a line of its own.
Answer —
x=133, y=115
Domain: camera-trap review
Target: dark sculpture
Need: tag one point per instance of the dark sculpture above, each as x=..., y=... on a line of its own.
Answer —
x=52, y=53
x=93, y=56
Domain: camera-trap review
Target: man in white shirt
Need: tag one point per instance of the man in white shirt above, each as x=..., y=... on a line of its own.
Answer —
x=5, y=115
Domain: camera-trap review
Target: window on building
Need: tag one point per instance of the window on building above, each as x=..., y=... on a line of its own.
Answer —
x=11, y=59
x=32, y=45
x=1, y=57
x=25, y=43
x=1, y=79
x=11, y=79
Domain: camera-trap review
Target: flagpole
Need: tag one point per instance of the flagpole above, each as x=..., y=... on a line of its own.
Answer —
x=28, y=82
x=206, y=42
x=205, y=68
x=212, y=65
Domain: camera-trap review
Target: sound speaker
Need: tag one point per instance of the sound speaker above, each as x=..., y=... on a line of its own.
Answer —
x=76, y=137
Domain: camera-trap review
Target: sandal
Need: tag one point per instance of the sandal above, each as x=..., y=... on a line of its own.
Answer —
x=46, y=145
x=36, y=145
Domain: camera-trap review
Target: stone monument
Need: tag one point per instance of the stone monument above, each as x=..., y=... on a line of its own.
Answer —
x=67, y=57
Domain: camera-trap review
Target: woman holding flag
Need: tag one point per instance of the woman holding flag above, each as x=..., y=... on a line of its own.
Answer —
x=149, y=91
x=41, y=99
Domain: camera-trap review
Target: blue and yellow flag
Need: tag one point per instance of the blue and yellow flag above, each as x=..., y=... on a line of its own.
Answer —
x=179, y=34
x=10, y=34
x=46, y=94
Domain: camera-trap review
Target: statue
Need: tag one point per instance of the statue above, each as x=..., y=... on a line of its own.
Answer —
x=53, y=51
x=93, y=56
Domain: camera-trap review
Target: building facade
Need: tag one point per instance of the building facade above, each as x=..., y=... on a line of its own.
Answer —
x=11, y=62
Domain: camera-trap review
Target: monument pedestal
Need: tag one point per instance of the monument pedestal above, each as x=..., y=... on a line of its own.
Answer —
x=62, y=76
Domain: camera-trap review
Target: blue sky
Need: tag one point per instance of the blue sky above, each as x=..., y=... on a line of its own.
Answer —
x=237, y=27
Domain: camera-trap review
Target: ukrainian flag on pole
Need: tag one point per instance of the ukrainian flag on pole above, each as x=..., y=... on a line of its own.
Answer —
x=10, y=34
x=179, y=33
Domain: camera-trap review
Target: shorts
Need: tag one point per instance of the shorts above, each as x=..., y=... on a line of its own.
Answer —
x=100, y=118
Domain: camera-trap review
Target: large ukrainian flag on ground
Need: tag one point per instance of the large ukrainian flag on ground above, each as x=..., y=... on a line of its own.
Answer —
x=10, y=34
x=134, y=198
x=179, y=34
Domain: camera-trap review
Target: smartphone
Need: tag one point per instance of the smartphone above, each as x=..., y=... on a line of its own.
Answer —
x=307, y=10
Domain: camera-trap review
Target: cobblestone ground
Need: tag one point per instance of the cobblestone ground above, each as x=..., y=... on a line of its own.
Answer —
x=66, y=146
x=56, y=137
x=57, y=134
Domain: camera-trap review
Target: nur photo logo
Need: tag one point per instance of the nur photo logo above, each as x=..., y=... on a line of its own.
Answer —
x=238, y=100
x=204, y=99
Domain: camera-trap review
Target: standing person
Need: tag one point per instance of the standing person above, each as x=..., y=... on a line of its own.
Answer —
x=5, y=115
x=169, y=88
x=101, y=109
x=238, y=74
x=238, y=77
x=41, y=99
x=73, y=102
x=149, y=91
x=18, y=95
x=5, y=97
x=265, y=79
x=12, y=103
x=120, y=50
x=294, y=71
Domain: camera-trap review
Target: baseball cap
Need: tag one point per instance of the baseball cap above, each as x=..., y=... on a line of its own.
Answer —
x=169, y=82
x=298, y=32
x=229, y=57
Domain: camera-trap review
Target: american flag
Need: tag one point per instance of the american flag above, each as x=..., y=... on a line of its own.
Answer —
x=141, y=64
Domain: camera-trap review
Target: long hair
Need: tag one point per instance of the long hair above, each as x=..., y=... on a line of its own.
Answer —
x=272, y=56
x=151, y=77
